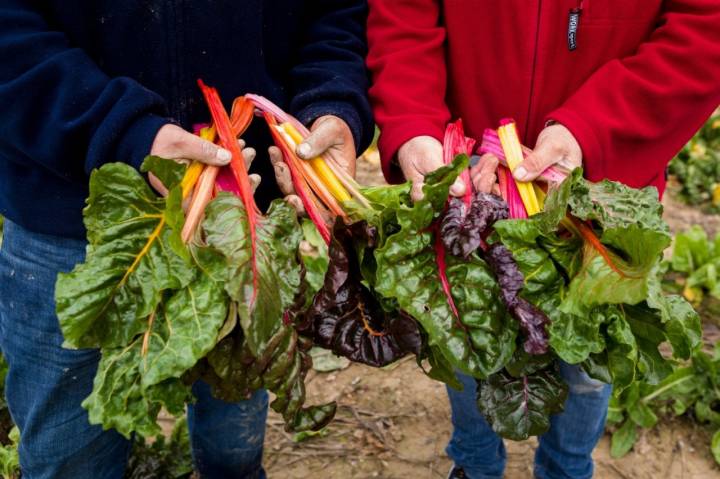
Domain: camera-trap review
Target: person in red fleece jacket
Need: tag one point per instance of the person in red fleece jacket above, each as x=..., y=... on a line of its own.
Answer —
x=617, y=86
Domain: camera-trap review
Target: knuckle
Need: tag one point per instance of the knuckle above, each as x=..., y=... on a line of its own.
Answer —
x=207, y=149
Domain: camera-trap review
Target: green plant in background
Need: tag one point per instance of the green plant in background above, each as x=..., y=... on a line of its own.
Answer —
x=694, y=388
x=9, y=458
x=697, y=166
x=9, y=434
x=163, y=459
x=695, y=265
x=691, y=390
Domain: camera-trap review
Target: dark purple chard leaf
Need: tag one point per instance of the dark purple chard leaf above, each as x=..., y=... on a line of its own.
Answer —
x=533, y=322
x=347, y=318
x=234, y=373
x=518, y=408
x=462, y=228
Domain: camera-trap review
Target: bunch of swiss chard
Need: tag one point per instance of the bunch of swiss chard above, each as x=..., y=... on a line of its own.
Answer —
x=500, y=288
x=170, y=298
x=497, y=287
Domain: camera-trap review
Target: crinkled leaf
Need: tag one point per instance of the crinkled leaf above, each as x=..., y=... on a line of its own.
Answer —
x=234, y=373
x=631, y=223
x=132, y=382
x=575, y=338
x=134, y=255
x=462, y=228
x=532, y=320
x=278, y=236
x=120, y=401
x=185, y=329
x=593, y=308
x=518, y=408
x=347, y=318
x=481, y=341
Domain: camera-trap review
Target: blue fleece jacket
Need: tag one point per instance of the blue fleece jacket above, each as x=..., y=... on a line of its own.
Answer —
x=87, y=82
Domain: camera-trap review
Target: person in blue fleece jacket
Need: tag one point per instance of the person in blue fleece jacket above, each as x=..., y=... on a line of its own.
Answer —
x=84, y=83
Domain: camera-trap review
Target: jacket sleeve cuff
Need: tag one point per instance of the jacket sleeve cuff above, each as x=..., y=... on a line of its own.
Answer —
x=593, y=155
x=393, y=137
x=137, y=141
x=344, y=111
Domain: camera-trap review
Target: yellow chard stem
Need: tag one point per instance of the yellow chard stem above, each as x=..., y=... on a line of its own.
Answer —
x=514, y=155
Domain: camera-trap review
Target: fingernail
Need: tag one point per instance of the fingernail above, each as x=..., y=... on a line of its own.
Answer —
x=520, y=173
x=223, y=155
x=457, y=188
x=303, y=150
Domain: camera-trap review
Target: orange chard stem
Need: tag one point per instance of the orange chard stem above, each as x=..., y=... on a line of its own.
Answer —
x=587, y=234
x=228, y=139
x=201, y=197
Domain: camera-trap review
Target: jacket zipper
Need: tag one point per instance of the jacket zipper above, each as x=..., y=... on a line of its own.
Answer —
x=574, y=18
x=525, y=133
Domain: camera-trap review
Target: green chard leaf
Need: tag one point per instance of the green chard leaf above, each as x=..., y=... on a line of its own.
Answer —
x=603, y=296
x=314, y=255
x=120, y=401
x=518, y=408
x=135, y=254
x=279, y=273
x=132, y=382
x=482, y=339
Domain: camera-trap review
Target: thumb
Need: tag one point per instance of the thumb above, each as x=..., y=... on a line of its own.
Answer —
x=325, y=135
x=195, y=148
x=545, y=155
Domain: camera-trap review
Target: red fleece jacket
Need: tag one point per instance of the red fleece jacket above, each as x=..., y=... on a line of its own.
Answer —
x=643, y=77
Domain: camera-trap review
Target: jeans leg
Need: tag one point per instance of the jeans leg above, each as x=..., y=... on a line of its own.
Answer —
x=474, y=446
x=565, y=451
x=46, y=383
x=227, y=438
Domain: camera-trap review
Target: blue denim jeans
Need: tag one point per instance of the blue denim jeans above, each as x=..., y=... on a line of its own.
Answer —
x=564, y=451
x=46, y=383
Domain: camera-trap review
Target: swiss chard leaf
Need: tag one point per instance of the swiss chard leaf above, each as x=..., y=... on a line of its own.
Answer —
x=347, y=317
x=135, y=254
x=596, y=279
x=482, y=338
x=261, y=303
x=120, y=401
x=518, y=408
x=132, y=382
x=234, y=373
x=462, y=228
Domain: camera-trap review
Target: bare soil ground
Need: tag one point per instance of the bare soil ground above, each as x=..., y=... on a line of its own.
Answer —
x=394, y=423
